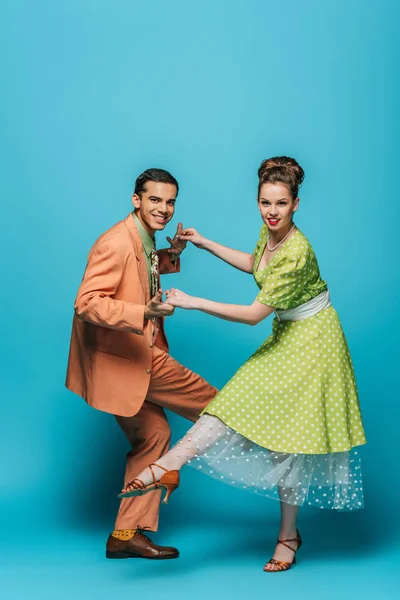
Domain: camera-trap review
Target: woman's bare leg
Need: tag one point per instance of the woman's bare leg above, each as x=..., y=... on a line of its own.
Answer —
x=196, y=442
x=287, y=531
x=202, y=436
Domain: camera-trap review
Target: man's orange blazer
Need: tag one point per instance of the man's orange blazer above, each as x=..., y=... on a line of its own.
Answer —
x=110, y=355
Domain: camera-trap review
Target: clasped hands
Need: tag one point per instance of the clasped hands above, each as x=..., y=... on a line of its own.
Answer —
x=181, y=238
x=156, y=307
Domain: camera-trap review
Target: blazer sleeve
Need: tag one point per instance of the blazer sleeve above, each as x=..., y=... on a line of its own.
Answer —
x=166, y=265
x=95, y=302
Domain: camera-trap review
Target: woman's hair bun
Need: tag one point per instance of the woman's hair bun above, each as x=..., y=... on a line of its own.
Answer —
x=282, y=169
x=282, y=161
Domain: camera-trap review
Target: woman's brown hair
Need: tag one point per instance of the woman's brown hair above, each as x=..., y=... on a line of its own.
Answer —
x=281, y=169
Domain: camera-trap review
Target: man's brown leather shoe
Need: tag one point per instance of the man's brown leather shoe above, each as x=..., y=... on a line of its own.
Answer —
x=139, y=546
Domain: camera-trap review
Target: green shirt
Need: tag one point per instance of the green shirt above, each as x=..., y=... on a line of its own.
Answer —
x=148, y=244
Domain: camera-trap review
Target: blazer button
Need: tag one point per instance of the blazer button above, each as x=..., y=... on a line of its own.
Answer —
x=148, y=371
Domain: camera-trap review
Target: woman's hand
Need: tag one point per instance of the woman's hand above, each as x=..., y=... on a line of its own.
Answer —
x=180, y=299
x=157, y=308
x=192, y=235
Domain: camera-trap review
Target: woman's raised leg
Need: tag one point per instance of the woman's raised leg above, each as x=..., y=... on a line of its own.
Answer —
x=204, y=433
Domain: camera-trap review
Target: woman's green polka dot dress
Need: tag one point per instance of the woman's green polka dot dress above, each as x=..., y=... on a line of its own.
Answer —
x=297, y=393
x=296, y=396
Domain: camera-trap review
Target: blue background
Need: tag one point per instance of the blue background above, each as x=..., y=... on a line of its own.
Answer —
x=93, y=93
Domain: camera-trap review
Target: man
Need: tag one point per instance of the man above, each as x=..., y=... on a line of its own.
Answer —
x=119, y=361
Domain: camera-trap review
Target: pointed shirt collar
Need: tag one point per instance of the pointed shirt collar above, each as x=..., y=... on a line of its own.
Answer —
x=147, y=241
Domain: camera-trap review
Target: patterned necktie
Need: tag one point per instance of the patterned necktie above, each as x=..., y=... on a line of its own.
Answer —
x=154, y=286
x=154, y=273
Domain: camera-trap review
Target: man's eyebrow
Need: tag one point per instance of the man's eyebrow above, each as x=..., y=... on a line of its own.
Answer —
x=158, y=198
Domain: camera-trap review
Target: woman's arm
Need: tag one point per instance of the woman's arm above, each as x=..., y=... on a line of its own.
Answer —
x=240, y=260
x=249, y=315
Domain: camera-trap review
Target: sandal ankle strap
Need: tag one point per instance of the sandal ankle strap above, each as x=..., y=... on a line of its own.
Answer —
x=152, y=472
x=296, y=539
x=283, y=542
x=159, y=466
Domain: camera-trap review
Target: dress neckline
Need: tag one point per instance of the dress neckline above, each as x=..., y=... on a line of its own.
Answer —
x=262, y=250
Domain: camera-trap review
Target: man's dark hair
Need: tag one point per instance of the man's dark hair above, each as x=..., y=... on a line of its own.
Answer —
x=157, y=175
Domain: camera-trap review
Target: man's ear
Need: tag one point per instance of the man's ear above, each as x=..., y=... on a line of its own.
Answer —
x=135, y=200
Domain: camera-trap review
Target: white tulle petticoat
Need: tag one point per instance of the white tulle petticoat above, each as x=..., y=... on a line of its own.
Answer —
x=332, y=481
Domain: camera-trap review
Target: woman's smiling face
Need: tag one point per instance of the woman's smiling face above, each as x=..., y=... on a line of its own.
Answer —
x=277, y=206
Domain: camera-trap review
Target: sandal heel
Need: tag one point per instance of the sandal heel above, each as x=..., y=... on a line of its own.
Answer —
x=169, y=489
x=170, y=482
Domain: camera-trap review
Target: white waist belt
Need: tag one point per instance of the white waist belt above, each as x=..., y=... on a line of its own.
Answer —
x=304, y=311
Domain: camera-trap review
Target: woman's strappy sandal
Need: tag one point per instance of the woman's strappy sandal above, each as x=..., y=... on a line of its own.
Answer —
x=169, y=481
x=284, y=565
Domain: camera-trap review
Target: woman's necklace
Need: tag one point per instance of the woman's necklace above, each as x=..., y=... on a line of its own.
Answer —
x=282, y=240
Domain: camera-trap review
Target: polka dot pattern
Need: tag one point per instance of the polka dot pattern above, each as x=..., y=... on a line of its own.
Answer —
x=123, y=534
x=292, y=275
x=296, y=395
x=332, y=481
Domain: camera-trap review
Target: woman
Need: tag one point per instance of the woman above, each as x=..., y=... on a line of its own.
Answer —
x=288, y=421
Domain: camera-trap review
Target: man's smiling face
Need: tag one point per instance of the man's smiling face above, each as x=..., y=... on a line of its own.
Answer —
x=155, y=206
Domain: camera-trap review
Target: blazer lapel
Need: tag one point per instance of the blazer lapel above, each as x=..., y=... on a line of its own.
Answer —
x=137, y=242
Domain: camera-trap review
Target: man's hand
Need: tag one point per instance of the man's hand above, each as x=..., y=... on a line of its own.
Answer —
x=157, y=308
x=177, y=244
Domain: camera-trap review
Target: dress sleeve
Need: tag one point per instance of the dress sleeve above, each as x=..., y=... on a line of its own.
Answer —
x=284, y=282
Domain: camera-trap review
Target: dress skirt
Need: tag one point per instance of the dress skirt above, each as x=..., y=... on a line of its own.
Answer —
x=288, y=423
